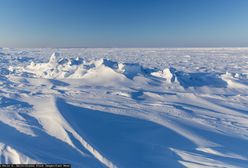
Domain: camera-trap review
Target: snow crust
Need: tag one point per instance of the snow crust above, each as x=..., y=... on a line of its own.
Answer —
x=175, y=109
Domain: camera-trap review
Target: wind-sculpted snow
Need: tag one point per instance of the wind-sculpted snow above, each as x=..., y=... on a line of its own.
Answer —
x=103, y=112
x=79, y=68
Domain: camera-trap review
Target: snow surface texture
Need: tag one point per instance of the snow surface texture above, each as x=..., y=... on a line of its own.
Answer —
x=125, y=107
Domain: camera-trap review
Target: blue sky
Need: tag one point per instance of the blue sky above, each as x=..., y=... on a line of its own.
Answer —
x=123, y=23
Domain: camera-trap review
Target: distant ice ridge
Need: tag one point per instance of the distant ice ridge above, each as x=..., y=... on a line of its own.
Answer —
x=78, y=68
x=107, y=71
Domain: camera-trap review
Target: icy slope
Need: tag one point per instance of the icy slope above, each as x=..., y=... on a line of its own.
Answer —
x=103, y=113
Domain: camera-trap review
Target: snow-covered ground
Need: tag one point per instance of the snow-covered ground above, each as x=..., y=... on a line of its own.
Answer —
x=137, y=108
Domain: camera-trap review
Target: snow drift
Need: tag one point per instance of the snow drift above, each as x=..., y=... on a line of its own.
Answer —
x=79, y=68
x=103, y=113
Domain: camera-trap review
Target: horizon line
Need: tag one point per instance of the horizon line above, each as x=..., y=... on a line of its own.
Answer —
x=121, y=47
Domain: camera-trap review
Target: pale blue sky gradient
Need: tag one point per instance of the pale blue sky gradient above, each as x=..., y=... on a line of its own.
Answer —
x=124, y=23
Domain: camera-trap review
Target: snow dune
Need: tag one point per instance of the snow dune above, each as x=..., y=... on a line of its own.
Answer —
x=103, y=113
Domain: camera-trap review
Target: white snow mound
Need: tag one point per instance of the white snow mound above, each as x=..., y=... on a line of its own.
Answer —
x=79, y=68
x=107, y=71
x=168, y=74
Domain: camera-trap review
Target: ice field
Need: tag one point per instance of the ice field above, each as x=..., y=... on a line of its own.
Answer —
x=135, y=108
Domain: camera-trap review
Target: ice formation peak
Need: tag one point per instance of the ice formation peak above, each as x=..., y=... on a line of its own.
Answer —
x=53, y=58
x=80, y=68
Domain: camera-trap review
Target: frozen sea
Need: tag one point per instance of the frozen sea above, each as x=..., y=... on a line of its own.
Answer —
x=125, y=107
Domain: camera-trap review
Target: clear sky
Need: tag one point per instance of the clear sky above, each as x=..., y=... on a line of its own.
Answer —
x=124, y=23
